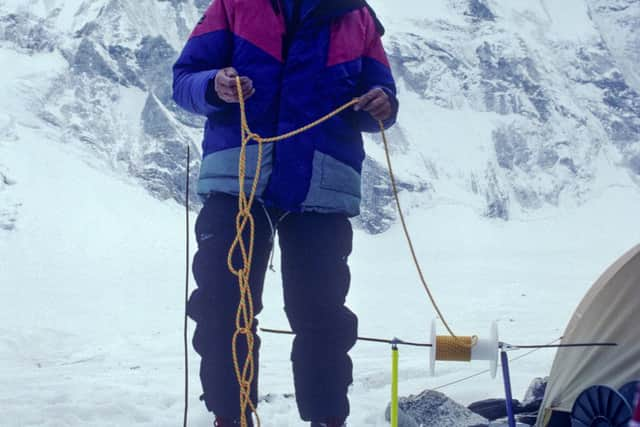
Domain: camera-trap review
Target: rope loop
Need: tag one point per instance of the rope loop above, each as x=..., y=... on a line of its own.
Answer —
x=245, y=223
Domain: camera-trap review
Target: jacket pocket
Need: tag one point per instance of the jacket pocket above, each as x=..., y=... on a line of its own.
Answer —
x=339, y=177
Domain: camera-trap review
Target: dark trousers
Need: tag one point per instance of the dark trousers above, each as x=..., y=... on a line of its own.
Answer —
x=315, y=278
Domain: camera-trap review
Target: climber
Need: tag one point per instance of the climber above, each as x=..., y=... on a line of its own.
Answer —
x=297, y=61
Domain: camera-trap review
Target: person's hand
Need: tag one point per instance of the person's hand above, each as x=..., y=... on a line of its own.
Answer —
x=377, y=103
x=226, y=88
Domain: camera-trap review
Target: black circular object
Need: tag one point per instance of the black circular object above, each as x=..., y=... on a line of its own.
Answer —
x=600, y=406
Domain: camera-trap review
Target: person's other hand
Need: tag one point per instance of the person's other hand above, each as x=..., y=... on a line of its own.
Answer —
x=377, y=103
x=226, y=88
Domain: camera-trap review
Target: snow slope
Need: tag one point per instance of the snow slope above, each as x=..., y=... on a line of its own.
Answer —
x=92, y=287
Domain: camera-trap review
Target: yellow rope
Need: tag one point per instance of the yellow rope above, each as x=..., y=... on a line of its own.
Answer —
x=405, y=228
x=245, y=314
x=454, y=349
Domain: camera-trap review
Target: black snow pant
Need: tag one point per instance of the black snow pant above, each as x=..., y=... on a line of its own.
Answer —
x=315, y=278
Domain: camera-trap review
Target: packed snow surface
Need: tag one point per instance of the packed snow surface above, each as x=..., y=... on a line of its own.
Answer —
x=92, y=289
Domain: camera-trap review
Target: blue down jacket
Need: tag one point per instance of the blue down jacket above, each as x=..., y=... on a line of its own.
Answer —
x=299, y=75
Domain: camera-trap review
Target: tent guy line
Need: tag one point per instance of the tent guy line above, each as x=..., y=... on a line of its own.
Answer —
x=502, y=345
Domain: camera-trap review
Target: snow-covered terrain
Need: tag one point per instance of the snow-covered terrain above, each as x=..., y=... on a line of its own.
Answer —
x=92, y=280
x=518, y=150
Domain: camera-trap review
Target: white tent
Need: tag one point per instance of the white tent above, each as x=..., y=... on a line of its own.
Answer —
x=610, y=312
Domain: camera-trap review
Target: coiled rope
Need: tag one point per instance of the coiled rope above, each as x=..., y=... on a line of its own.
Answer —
x=244, y=219
x=245, y=314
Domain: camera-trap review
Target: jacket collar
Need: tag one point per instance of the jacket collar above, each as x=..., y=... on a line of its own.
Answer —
x=328, y=9
x=335, y=8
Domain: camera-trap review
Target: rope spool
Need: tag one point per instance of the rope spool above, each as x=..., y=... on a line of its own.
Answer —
x=464, y=348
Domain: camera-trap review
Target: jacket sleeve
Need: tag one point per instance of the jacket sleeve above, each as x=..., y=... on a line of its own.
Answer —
x=208, y=49
x=376, y=72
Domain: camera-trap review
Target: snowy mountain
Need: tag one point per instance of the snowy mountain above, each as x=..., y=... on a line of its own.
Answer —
x=507, y=106
x=518, y=151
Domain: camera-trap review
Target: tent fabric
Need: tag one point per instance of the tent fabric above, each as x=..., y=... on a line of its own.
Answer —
x=608, y=313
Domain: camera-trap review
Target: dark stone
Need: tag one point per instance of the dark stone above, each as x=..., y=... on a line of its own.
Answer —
x=534, y=395
x=377, y=212
x=27, y=32
x=434, y=409
x=126, y=62
x=155, y=121
x=155, y=57
x=88, y=60
x=480, y=11
x=493, y=409
x=154, y=53
x=511, y=148
x=504, y=77
x=164, y=171
x=569, y=163
x=634, y=164
x=378, y=207
x=497, y=199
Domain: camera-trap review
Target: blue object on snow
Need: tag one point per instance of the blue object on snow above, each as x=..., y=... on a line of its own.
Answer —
x=600, y=406
x=504, y=358
x=628, y=391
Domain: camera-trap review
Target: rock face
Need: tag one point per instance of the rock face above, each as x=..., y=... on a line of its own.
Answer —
x=8, y=209
x=434, y=409
x=562, y=102
x=535, y=393
x=506, y=106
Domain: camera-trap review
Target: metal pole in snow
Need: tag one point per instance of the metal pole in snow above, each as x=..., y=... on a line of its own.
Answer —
x=394, y=385
x=504, y=358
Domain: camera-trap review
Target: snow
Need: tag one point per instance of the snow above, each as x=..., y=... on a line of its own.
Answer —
x=92, y=266
x=24, y=77
x=91, y=296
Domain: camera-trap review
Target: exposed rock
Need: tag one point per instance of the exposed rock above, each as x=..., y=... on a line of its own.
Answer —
x=28, y=32
x=480, y=11
x=379, y=210
x=493, y=409
x=434, y=409
x=90, y=59
x=535, y=393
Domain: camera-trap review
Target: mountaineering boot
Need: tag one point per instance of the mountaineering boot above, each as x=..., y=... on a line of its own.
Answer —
x=330, y=422
x=226, y=422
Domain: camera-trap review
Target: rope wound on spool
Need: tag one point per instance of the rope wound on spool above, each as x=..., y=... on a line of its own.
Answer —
x=464, y=348
x=454, y=349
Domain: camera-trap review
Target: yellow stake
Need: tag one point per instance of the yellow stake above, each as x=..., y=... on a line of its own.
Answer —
x=394, y=386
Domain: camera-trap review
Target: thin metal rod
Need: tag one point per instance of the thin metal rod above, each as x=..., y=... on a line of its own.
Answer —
x=416, y=344
x=484, y=371
x=507, y=388
x=594, y=344
x=378, y=340
x=186, y=293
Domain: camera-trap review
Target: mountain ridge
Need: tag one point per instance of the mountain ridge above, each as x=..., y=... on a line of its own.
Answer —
x=507, y=107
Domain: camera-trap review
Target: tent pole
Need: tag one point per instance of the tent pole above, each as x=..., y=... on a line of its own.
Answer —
x=504, y=358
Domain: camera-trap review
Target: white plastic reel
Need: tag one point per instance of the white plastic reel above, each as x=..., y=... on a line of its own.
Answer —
x=485, y=349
